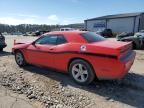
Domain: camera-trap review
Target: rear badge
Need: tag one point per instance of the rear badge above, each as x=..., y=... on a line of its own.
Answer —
x=83, y=48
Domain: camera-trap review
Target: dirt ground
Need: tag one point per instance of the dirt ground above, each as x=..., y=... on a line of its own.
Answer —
x=57, y=90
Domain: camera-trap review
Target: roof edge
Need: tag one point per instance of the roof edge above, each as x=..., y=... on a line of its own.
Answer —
x=121, y=15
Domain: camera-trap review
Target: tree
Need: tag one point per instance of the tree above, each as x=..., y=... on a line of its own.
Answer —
x=23, y=28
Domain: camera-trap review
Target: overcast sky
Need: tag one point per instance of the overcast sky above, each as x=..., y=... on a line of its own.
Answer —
x=62, y=11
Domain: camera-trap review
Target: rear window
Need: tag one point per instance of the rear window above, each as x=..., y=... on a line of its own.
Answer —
x=92, y=37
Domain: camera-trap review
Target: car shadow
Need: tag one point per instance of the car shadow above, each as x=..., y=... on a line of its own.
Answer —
x=111, y=90
x=4, y=53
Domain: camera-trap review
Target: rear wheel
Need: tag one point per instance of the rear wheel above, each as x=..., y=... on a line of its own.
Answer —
x=19, y=58
x=81, y=72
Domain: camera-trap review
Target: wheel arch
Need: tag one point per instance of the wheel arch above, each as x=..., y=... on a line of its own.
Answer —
x=20, y=50
x=23, y=61
x=17, y=50
x=76, y=58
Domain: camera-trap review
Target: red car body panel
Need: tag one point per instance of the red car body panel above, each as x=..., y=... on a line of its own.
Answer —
x=109, y=59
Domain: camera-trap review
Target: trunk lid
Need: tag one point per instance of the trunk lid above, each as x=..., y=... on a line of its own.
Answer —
x=117, y=45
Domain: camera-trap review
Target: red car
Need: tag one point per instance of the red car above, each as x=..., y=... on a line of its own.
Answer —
x=85, y=55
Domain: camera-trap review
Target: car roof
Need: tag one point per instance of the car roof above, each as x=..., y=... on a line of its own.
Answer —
x=66, y=32
x=71, y=36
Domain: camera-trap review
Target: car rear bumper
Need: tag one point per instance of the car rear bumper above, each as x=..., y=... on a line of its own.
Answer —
x=127, y=65
x=115, y=69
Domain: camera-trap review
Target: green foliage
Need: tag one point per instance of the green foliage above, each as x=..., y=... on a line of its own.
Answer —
x=23, y=28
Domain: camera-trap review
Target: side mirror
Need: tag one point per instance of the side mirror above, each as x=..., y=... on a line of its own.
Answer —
x=33, y=43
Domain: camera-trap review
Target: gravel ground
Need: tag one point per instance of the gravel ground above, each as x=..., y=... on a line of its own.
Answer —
x=57, y=90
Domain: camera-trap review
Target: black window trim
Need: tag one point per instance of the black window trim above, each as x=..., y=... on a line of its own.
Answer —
x=42, y=38
x=81, y=34
x=45, y=35
x=63, y=37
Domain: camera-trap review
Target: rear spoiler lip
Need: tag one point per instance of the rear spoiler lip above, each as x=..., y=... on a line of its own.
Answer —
x=19, y=43
x=127, y=47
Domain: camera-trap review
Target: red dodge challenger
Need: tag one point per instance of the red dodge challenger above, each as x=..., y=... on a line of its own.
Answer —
x=85, y=55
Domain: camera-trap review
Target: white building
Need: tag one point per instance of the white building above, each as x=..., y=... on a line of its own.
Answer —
x=129, y=22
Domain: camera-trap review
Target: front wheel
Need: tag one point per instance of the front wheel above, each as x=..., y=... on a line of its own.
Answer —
x=81, y=72
x=19, y=58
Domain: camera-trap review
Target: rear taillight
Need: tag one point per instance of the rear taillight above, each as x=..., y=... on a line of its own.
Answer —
x=125, y=55
x=125, y=52
x=126, y=49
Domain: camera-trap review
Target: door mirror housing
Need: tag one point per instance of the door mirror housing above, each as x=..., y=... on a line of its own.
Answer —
x=33, y=43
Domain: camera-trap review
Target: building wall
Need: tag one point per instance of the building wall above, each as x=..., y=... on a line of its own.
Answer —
x=142, y=22
x=95, y=25
x=128, y=24
x=137, y=24
x=121, y=24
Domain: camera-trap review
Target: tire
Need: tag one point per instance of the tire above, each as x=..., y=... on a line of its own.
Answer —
x=81, y=72
x=134, y=46
x=1, y=49
x=19, y=58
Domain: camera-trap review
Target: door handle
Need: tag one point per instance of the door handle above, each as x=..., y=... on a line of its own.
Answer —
x=51, y=48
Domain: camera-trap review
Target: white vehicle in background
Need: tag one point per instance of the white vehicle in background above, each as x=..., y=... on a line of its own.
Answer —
x=68, y=29
x=139, y=34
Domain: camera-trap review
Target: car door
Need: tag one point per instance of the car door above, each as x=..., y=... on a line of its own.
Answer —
x=60, y=53
x=40, y=53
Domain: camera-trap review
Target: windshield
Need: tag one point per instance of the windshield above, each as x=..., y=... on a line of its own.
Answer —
x=92, y=37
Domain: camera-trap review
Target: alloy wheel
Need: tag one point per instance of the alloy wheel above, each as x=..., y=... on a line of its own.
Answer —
x=80, y=72
x=19, y=58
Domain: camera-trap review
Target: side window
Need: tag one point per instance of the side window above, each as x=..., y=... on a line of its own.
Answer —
x=47, y=40
x=92, y=37
x=61, y=40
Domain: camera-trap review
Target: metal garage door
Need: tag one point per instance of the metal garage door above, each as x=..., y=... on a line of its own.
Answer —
x=121, y=24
